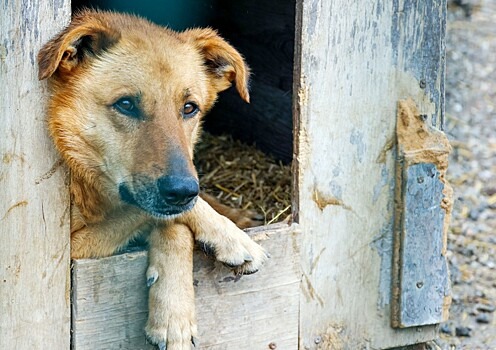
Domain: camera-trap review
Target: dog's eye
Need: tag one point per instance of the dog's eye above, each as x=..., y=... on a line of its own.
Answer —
x=189, y=110
x=127, y=106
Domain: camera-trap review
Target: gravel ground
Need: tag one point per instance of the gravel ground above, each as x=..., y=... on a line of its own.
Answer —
x=471, y=127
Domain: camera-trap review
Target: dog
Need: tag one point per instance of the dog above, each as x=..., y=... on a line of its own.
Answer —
x=125, y=108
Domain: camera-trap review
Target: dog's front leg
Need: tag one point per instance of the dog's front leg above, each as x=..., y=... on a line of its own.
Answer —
x=220, y=235
x=96, y=240
x=243, y=218
x=171, y=321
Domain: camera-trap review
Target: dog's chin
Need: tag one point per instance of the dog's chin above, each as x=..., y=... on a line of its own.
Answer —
x=157, y=209
x=168, y=212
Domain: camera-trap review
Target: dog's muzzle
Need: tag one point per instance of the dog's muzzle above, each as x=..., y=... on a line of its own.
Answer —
x=164, y=197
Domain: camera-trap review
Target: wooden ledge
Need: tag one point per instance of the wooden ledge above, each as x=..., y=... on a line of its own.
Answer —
x=109, y=299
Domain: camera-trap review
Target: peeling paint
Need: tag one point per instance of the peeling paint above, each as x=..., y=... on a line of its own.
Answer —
x=295, y=240
x=356, y=139
x=383, y=244
x=323, y=201
x=50, y=172
x=334, y=338
x=303, y=94
x=316, y=260
x=408, y=87
x=313, y=18
x=336, y=189
x=388, y=146
x=3, y=54
x=10, y=157
x=417, y=52
x=383, y=182
x=310, y=292
x=17, y=205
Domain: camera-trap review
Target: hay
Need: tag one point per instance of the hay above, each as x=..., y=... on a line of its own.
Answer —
x=243, y=177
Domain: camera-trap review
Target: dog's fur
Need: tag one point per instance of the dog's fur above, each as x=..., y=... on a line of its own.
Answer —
x=122, y=115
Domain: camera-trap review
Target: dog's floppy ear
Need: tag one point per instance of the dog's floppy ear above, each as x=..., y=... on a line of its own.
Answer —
x=224, y=63
x=85, y=36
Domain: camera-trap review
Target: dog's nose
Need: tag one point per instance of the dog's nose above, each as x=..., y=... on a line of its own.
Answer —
x=178, y=190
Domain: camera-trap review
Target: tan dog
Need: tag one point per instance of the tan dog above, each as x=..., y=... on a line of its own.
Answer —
x=127, y=97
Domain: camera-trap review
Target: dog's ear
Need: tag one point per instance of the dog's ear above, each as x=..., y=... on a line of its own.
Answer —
x=224, y=64
x=86, y=36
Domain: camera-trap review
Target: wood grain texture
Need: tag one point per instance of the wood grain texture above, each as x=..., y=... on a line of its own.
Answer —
x=110, y=300
x=34, y=205
x=353, y=61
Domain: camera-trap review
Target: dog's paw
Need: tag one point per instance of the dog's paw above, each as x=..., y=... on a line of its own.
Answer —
x=258, y=254
x=171, y=322
x=238, y=252
x=178, y=334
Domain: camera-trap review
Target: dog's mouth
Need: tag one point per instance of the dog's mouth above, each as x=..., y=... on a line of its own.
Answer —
x=149, y=200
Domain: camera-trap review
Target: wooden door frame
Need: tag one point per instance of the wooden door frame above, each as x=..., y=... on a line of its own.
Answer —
x=354, y=61
x=34, y=210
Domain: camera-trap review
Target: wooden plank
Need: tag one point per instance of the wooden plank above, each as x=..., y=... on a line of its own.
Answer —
x=34, y=205
x=424, y=200
x=353, y=61
x=247, y=313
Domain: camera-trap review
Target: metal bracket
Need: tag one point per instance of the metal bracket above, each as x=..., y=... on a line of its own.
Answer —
x=423, y=201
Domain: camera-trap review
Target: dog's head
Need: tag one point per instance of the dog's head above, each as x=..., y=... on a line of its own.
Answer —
x=127, y=101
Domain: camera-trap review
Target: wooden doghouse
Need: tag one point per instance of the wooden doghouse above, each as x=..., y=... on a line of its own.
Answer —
x=361, y=267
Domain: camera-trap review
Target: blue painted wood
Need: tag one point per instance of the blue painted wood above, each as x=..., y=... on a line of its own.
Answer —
x=423, y=270
x=419, y=47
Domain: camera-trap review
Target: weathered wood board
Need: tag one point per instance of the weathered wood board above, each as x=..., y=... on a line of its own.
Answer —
x=34, y=202
x=110, y=300
x=353, y=61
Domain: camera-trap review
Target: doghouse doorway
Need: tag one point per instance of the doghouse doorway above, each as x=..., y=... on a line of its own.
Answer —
x=264, y=33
